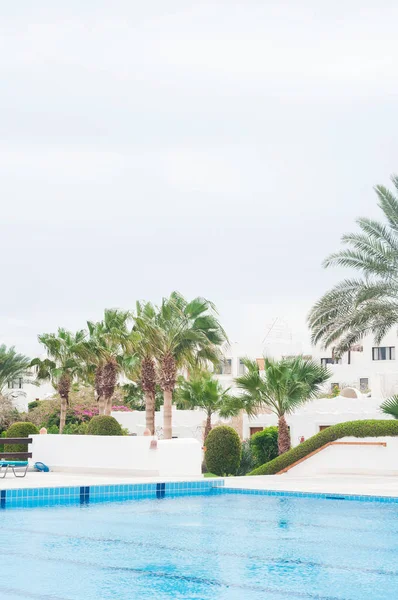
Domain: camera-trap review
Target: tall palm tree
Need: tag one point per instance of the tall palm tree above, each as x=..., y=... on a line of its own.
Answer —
x=367, y=304
x=109, y=349
x=284, y=386
x=182, y=335
x=12, y=366
x=203, y=391
x=62, y=367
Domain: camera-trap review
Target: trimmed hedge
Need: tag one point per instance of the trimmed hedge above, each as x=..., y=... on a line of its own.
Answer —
x=19, y=430
x=359, y=429
x=223, y=451
x=104, y=425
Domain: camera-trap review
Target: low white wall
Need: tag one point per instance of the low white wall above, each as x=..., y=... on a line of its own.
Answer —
x=371, y=460
x=119, y=454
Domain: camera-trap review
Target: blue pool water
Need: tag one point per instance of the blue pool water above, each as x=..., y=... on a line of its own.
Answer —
x=216, y=546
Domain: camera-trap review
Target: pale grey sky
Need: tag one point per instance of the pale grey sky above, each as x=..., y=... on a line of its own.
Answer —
x=219, y=148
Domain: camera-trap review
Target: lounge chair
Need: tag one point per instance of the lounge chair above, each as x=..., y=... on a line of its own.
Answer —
x=18, y=467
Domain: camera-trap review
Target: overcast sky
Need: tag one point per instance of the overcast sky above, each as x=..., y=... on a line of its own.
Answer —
x=218, y=148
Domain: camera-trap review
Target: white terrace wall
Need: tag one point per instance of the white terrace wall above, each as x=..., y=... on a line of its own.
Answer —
x=118, y=454
x=352, y=460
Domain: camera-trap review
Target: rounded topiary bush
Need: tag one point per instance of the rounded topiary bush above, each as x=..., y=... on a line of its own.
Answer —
x=104, y=425
x=19, y=430
x=264, y=445
x=223, y=451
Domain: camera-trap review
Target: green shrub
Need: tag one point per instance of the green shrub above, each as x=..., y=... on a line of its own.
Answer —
x=247, y=462
x=19, y=430
x=75, y=429
x=359, y=429
x=223, y=451
x=104, y=425
x=33, y=404
x=264, y=445
x=53, y=429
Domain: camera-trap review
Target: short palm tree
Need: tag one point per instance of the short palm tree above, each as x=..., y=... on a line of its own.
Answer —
x=282, y=387
x=203, y=391
x=182, y=335
x=108, y=350
x=367, y=304
x=390, y=406
x=63, y=366
x=12, y=366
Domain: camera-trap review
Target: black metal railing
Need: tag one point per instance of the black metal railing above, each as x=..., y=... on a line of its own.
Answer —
x=15, y=455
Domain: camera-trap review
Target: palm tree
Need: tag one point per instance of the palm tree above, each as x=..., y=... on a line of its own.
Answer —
x=63, y=367
x=201, y=390
x=13, y=366
x=182, y=335
x=367, y=304
x=109, y=349
x=284, y=386
x=390, y=406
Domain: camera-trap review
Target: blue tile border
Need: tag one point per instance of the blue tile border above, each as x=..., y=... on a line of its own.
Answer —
x=83, y=495
x=323, y=496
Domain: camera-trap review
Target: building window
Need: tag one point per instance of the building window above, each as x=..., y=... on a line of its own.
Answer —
x=330, y=361
x=383, y=353
x=334, y=387
x=241, y=367
x=225, y=367
x=322, y=427
x=254, y=430
x=16, y=384
x=364, y=384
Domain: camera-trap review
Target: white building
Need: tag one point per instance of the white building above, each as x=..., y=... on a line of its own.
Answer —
x=371, y=369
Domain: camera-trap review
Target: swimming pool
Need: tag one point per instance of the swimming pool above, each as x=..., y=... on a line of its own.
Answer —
x=216, y=546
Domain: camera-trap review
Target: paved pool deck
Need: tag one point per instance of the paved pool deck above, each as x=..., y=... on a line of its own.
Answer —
x=368, y=485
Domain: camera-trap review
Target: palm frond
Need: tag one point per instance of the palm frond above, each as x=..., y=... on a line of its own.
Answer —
x=390, y=406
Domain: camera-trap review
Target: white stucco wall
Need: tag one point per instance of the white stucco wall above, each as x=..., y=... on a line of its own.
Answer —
x=308, y=419
x=371, y=460
x=119, y=454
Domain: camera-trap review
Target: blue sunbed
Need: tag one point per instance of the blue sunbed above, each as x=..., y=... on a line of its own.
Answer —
x=18, y=467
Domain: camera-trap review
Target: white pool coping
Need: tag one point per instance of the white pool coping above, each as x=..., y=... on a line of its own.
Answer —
x=372, y=485
x=356, y=485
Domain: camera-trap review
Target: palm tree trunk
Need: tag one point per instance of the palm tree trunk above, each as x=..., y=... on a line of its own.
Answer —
x=109, y=378
x=150, y=411
x=63, y=390
x=283, y=435
x=99, y=390
x=62, y=419
x=207, y=427
x=148, y=382
x=167, y=414
x=168, y=375
x=101, y=405
x=108, y=406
